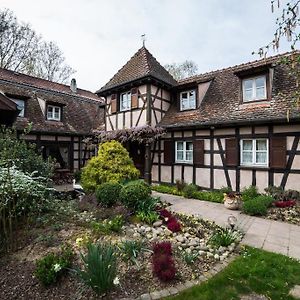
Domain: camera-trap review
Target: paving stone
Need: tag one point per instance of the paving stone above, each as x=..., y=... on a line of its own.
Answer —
x=254, y=297
x=295, y=292
x=173, y=290
x=145, y=297
x=164, y=293
x=188, y=284
x=180, y=287
x=155, y=295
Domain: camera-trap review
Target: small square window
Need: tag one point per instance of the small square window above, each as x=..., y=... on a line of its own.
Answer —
x=53, y=113
x=125, y=101
x=188, y=100
x=255, y=88
x=184, y=152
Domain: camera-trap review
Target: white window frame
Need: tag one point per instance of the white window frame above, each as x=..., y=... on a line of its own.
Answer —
x=127, y=102
x=185, y=151
x=191, y=105
x=53, y=117
x=22, y=111
x=254, y=151
x=254, y=89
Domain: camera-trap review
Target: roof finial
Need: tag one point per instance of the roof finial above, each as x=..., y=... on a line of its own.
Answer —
x=143, y=37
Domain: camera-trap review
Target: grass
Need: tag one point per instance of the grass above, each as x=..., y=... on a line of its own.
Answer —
x=255, y=271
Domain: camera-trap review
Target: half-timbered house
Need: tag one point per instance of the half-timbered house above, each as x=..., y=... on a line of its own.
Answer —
x=232, y=127
x=60, y=116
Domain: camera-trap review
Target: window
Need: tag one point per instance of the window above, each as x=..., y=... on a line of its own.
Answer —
x=21, y=106
x=254, y=88
x=184, y=152
x=188, y=100
x=254, y=152
x=53, y=113
x=125, y=101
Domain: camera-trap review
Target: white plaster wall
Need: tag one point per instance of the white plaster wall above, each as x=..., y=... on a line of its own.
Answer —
x=188, y=174
x=47, y=138
x=262, y=180
x=219, y=179
x=178, y=134
x=187, y=133
x=127, y=119
x=277, y=178
x=217, y=160
x=224, y=131
x=29, y=137
x=203, y=177
x=293, y=182
x=177, y=172
x=206, y=159
x=202, y=132
x=64, y=138
x=261, y=129
x=245, y=178
x=155, y=173
x=165, y=173
x=286, y=128
x=245, y=130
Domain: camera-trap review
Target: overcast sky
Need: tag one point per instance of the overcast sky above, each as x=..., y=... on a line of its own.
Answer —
x=99, y=36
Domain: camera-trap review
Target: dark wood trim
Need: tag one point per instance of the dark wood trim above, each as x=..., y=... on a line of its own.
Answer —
x=211, y=158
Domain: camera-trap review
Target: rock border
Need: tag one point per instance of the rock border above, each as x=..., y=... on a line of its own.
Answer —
x=174, y=290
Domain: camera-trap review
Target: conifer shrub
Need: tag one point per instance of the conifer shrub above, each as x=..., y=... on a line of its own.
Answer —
x=108, y=193
x=112, y=163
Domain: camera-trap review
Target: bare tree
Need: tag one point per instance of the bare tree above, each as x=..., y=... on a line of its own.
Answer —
x=22, y=50
x=182, y=70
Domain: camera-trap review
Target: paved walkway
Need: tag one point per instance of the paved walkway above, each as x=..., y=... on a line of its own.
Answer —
x=269, y=235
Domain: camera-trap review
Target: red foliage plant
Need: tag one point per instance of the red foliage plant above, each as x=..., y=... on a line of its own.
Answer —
x=282, y=204
x=162, y=248
x=174, y=225
x=163, y=263
x=165, y=213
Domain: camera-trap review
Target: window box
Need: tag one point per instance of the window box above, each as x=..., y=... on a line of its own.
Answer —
x=188, y=100
x=53, y=113
x=254, y=88
x=125, y=101
x=184, y=152
x=254, y=152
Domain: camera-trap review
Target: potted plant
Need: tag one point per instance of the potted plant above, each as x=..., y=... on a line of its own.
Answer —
x=232, y=200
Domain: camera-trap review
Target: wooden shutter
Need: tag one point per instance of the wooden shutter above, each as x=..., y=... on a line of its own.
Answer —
x=169, y=154
x=113, y=103
x=198, y=152
x=278, y=152
x=231, y=152
x=134, y=98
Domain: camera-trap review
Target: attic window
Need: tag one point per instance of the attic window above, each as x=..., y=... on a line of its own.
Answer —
x=188, y=100
x=21, y=106
x=255, y=88
x=125, y=101
x=53, y=113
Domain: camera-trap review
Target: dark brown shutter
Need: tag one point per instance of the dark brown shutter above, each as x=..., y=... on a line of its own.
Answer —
x=278, y=152
x=231, y=152
x=169, y=152
x=198, y=153
x=113, y=103
x=134, y=98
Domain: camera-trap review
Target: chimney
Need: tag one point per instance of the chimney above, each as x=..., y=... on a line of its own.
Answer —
x=73, y=85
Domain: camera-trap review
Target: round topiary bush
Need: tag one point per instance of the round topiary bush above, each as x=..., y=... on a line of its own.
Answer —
x=134, y=193
x=111, y=164
x=108, y=193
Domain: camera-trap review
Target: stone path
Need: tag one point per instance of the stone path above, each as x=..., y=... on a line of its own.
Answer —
x=261, y=233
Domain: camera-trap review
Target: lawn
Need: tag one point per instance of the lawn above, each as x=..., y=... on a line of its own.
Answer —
x=256, y=271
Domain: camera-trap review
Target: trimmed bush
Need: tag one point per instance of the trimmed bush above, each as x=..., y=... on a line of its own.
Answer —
x=249, y=193
x=108, y=193
x=190, y=190
x=134, y=193
x=111, y=164
x=257, y=206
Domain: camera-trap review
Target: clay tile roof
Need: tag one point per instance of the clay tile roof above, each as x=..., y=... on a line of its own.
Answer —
x=141, y=64
x=222, y=104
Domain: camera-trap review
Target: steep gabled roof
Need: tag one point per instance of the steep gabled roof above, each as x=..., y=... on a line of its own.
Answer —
x=141, y=64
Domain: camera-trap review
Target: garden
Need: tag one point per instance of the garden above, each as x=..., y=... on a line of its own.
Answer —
x=114, y=241
x=275, y=203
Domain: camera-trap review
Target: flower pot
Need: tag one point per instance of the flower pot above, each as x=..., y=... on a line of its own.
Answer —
x=233, y=203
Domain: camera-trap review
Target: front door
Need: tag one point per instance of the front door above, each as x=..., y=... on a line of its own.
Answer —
x=137, y=153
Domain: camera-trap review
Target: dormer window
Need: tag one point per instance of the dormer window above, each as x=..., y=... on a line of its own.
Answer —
x=188, y=100
x=254, y=88
x=125, y=101
x=53, y=113
x=21, y=106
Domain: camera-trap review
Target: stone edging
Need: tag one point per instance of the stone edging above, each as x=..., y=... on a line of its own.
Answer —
x=172, y=291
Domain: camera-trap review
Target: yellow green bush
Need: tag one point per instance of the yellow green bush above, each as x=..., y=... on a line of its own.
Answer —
x=112, y=163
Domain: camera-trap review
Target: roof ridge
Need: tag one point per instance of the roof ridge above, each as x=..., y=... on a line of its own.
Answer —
x=270, y=58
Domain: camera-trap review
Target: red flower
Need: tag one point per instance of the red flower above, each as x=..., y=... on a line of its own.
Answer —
x=282, y=204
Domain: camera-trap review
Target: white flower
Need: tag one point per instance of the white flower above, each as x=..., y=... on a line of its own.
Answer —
x=116, y=281
x=57, y=268
x=79, y=241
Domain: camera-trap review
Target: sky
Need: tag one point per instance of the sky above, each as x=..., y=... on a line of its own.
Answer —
x=98, y=37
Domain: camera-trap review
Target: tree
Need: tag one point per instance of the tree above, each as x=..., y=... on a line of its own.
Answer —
x=22, y=50
x=182, y=70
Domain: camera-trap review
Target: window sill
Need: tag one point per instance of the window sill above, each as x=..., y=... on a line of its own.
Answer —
x=183, y=162
x=188, y=109
x=251, y=167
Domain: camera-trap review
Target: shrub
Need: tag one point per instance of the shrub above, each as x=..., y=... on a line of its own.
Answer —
x=108, y=226
x=166, y=189
x=223, y=237
x=77, y=175
x=257, y=206
x=189, y=190
x=111, y=164
x=51, y=267
x=134, y=193
x=148, y=204
x=165, y=213
x=180, y=185
x=173, y=225
x=100, y=267
x=147, y=217
x=162, y=261
x=108, y=193
x=249, y=193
